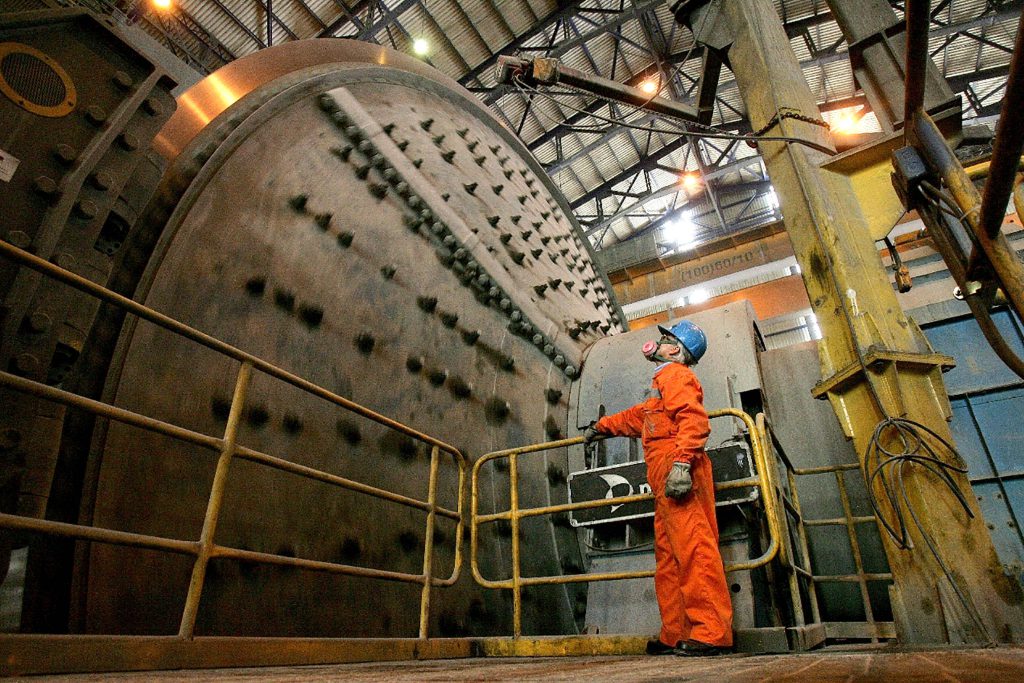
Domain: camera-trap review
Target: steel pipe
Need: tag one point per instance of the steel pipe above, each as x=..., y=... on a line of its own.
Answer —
x=550, y=71
x=1009, y=143
x=88, y=533
x=319, y=475
x=517, y=597
x=566, y=507
x=853, y=578
x=917, y=57
x=43, y=391
x=1008, y=269
x=314, y=565
x=428, y=544
x=840, y=521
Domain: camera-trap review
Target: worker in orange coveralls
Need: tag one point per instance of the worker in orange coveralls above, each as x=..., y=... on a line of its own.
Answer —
x=689, y=578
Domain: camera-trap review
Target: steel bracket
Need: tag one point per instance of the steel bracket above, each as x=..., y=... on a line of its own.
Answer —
x=885, y=365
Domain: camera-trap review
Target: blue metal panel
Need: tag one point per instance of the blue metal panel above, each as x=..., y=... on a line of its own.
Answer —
x=998, y=415
x=977, y=366
x=988, y=407
x=969, y=441
x=1001, y=521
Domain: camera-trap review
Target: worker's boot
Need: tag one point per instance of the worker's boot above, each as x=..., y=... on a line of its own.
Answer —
x=692, y=648
x=656, y=647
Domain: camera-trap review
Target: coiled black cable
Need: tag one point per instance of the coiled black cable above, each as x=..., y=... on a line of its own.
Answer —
x=912, y=449
x=888, y=464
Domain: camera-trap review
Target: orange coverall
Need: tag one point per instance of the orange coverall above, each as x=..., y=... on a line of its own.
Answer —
x=689, y=577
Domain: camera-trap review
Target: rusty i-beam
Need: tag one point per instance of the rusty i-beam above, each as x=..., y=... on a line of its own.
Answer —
x=949, y=585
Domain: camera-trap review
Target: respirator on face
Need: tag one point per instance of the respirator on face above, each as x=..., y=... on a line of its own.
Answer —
x=650, y=350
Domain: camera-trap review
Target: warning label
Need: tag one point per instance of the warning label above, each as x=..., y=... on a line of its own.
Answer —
x=8, y=165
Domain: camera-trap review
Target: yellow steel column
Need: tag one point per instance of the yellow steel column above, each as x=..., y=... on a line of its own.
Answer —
x=220, y=482
x=875, y=362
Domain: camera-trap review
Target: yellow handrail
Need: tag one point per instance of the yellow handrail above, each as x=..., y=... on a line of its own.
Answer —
x=848, y=520
x=204, y=548
x=764, y=481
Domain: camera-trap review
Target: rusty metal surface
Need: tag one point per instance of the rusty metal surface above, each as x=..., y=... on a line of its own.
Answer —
x=205, y=548
x=822, y=666
x=393, y=245
x=72, y=169
x=414, y=258
x=81, y=182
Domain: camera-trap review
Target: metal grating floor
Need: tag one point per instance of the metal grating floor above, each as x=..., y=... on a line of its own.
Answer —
x=823, y=666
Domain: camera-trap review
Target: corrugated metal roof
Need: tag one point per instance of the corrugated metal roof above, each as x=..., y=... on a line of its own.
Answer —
x=466, y=35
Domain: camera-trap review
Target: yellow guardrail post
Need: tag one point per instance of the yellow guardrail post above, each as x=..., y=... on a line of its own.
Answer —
x=460, y=522
x=788, y=557
x=517, y=595
x=220, y=482
x=765, y=482
x=428, y=545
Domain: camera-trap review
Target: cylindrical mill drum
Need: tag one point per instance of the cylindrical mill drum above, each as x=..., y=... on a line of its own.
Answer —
x=362, y=222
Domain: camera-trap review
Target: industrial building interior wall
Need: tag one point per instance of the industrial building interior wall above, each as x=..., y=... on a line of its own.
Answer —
x=774, y=287
x=984, y=392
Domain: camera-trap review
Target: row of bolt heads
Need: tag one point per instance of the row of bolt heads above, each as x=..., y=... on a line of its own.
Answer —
x=467, y=267
x=380, y=191
x=391, y=175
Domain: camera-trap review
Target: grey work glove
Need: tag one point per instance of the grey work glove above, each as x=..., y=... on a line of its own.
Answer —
x=590, y=434
x=679, y=482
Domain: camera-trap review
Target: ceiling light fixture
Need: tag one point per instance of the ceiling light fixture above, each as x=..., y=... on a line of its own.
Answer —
x=420, y=46
x=691, y=182
x=845, y=123
x=681, y=231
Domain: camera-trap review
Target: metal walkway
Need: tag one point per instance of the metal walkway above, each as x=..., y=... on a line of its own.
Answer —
x=823, y=666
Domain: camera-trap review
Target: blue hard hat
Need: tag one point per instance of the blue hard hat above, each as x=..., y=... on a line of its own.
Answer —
x=690, y=336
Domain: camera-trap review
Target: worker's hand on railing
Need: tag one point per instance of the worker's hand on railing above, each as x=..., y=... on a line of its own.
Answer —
x=590, y=434
x=679, y=482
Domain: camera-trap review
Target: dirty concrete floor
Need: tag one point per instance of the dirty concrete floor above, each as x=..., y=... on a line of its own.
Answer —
x=1003, y=664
